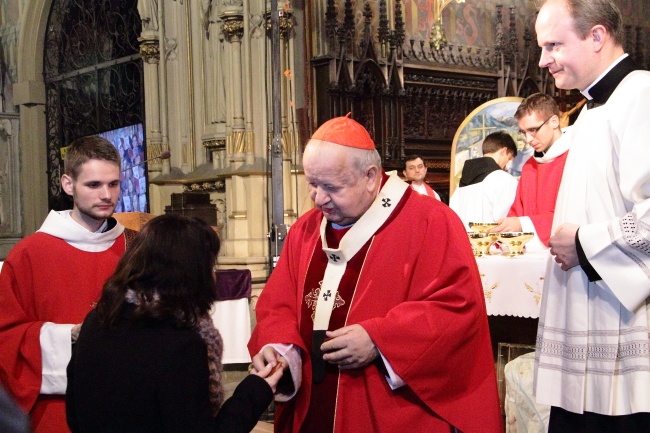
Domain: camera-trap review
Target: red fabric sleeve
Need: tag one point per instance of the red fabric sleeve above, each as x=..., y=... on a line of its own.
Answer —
x=438, y=339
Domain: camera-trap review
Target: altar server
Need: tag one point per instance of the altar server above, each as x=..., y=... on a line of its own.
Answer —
x=52, y=279
x=486, y=189
x=415, y=171
x=538, y=117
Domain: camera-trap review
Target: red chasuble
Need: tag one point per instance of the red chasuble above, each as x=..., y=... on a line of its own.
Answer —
x=415, y=289
x=537, y=193
x=56, y=283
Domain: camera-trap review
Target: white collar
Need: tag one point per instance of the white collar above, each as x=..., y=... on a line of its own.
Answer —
x=62, y=226
x=585, y=92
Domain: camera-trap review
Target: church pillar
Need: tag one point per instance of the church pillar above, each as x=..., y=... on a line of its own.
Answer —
x=289, y=138
x=150, y=51
x=237, y=142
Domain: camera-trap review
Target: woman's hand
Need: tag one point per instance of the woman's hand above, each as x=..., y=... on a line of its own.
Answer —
x=271, y=372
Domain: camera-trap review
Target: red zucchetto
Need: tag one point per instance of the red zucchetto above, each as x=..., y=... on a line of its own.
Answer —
x=346, y=132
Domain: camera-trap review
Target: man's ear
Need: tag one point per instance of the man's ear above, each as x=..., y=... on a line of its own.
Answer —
x=374, y=177
x=598, y=35
x=555, y=122
x=67, y=184
x=404, y=173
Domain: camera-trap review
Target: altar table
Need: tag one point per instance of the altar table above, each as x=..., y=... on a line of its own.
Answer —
x=231, y=313
x=513, y=285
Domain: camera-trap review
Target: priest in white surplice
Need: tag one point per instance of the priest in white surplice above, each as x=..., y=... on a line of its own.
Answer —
x=593, y=344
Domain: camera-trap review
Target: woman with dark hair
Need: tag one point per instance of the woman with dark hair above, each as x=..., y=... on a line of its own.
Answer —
x=148, y=358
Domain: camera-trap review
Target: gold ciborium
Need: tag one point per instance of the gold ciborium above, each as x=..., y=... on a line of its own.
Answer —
x=481, y=227
x=515, y=242
x=481, y=242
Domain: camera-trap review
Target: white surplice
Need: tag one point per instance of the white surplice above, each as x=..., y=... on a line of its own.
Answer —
x=486, y=201
x=593, y=344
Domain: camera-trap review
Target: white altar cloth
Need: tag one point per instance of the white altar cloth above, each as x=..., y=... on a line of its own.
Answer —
x=232, y=319
x=513, y=286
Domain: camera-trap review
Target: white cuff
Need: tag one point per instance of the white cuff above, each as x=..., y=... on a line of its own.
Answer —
x=394, y=381
x=56, y=350
x=535, y=244
x=292, y=355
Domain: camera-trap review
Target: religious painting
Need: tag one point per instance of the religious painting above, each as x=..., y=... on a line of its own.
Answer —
x=492, y=116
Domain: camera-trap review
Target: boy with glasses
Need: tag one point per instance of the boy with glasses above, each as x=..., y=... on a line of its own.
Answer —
x=538, y=117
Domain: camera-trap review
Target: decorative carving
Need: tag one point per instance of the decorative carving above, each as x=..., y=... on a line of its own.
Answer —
x=170, y=49
x=239, y=142
x=9, y=182
x=207, y=9
x=286, y=25
x=256, y=23
x=216, y=144
x=331, y=25
x=218, y=185
x=456, y=81
x=285, y=22
x=148, y=10
x=150, y=50
x=233, y=28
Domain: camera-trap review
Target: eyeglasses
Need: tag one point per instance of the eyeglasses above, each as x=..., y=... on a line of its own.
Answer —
x=534, y=131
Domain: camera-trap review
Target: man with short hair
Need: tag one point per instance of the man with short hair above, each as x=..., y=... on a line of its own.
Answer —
x=593, y=357
x=376, y=306
x=415, y=171
x=486, y=189
x=51, y=280
x=538, y=117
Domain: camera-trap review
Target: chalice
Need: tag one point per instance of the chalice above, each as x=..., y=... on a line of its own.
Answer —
x=481, y=242
x=481, y=227
x=515, y=242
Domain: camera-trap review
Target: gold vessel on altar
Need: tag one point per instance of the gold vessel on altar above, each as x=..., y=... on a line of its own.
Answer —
x=515, y=242
x=481, y=227
x=481, y=242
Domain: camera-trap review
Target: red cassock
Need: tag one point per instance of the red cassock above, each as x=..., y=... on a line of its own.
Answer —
x=537, y=193
x=56, y=283
x=430, y=191
x=415, y=289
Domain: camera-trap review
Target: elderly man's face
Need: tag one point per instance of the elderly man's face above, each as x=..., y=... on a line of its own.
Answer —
x=338, y=190
x=570, y=59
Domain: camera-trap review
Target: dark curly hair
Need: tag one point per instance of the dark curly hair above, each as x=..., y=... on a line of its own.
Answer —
x=169, y=268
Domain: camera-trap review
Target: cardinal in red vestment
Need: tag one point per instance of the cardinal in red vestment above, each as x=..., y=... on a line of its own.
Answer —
x=376, y=307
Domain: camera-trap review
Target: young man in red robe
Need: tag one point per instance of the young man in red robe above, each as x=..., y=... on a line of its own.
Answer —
x=415, y=171
x=51, y=280
x=376, y=307
x=538, y=117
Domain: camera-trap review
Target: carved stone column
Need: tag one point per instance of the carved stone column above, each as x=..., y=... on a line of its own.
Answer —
x=237, y=142
x=289, y=136
x=150, y=51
